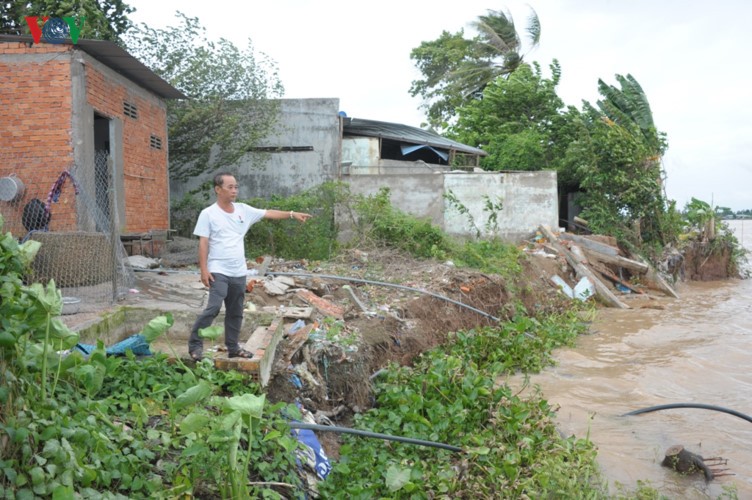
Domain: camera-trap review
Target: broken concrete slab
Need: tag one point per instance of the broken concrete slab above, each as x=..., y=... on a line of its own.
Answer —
x=275, y=287
x=262, y=344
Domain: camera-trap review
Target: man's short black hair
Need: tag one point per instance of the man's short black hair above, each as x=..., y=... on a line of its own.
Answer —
x=219, y=178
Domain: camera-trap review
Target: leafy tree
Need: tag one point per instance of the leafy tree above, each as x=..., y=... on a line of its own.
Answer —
x=457, y=70
x=724, y=212
x=228, y=110
x=104, y=19
x=518, y=122
x=615, y=165
x=621, y=181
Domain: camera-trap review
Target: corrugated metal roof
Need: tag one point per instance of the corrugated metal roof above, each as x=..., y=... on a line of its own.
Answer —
x=116, y=58
x=404, y=133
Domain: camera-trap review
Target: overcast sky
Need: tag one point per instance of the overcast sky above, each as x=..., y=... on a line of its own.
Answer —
x=690, y=57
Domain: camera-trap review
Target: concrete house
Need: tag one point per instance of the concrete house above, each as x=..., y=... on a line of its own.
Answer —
x=417, y=167
x=92, y=110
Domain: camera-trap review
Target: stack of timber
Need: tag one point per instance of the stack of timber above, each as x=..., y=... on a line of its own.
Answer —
x=606, y=266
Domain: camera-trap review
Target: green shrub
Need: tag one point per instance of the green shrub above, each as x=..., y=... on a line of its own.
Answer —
x=379, y=222
x=184, y=212
x=314, y=240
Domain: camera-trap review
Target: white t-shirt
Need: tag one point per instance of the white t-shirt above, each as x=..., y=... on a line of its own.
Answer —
x=226, y=232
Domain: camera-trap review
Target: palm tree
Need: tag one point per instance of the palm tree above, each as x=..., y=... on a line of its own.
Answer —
x=456, y=70
x=496, y=52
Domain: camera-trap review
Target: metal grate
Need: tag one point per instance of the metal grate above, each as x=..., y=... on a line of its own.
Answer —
x=71, y=217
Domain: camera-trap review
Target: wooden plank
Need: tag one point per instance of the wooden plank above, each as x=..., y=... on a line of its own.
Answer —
x=617, y=260
x=601, y=290
x=608, y=274
x=324, y=306
x=590, y=244
x=294, y=342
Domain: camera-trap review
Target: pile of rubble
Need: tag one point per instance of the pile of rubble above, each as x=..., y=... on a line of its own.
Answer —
x=601, y=268
x=321, y=338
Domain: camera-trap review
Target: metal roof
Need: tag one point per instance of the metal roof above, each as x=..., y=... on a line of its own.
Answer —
x=115, y=57
x=404, y=133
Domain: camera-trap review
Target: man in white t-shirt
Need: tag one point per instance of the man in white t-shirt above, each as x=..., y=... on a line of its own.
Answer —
x=221, y=230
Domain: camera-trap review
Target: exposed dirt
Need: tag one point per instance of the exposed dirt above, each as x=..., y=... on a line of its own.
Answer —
x=700, y=263
x=400, y=324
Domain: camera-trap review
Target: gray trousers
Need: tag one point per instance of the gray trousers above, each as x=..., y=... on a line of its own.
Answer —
x=231, y=291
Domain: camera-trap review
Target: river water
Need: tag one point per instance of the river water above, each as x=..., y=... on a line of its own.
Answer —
x=698, y=349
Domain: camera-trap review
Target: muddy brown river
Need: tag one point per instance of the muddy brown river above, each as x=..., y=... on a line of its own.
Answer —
x=696, y=350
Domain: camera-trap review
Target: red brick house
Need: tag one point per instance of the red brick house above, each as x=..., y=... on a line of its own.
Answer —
x=90, y=109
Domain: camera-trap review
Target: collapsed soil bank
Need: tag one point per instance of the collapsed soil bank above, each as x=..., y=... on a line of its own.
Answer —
x=383, y=325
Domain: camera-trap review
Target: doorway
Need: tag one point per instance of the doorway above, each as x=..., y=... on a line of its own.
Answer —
x=102, y=173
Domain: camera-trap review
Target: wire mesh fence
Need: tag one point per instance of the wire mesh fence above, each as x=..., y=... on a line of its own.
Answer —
x=69, y=210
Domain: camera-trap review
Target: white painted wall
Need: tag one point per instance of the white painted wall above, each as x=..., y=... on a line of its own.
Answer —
x=528, y=199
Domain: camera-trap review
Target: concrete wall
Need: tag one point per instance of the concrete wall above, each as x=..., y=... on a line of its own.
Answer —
x=303, y=123
x=528, y=200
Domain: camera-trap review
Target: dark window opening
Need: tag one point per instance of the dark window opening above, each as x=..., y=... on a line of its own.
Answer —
x=155, y=142
x=396, y=150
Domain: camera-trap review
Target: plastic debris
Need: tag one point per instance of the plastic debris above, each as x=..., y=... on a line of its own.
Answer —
x=584, y=289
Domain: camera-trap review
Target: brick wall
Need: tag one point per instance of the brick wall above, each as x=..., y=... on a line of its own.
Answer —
x=36, y=140
x=144, y=167
x=35, y=117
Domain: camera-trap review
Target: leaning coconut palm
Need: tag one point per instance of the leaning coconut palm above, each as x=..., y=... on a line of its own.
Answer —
x=456, y=70
x=501, y=47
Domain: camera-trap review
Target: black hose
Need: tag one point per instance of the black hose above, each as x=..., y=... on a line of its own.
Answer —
x=690, y=405
x=382, y=283
x=347, y=430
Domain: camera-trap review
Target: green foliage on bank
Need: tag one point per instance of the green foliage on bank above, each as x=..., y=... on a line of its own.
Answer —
x=452, y=395
x=316, y=239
